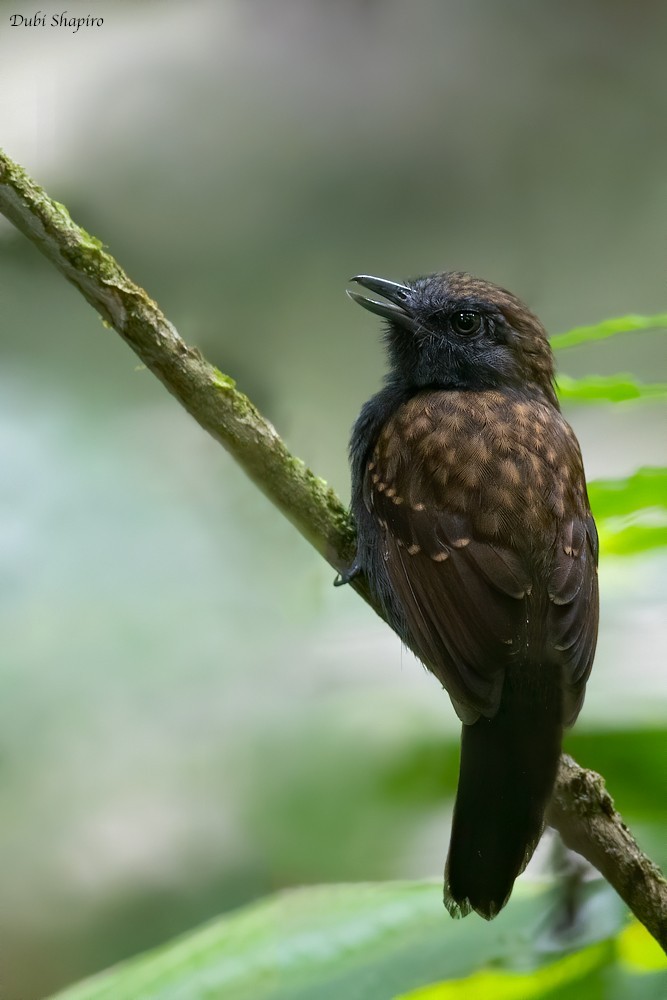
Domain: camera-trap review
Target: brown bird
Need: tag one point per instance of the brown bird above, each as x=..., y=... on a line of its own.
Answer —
x=475, y=533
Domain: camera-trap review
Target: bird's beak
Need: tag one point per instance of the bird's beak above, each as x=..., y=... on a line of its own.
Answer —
x=396, y=308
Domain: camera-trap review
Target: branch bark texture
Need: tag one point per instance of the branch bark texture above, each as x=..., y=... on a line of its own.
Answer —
x=581, y=809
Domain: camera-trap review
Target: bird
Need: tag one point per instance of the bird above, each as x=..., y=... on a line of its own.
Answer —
x=475, y=536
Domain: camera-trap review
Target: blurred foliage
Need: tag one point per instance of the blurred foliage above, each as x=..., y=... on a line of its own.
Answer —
x=607, y=328
x=375, y=942
x=646, y=489
x=631, y=513
x=622, y=506
x=614, y=389
x=615, y=969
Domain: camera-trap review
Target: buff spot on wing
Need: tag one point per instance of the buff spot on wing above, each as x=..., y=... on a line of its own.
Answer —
x=493, y=398
x=510, y=471
x=421, y=425
x=468, y=474
x=557, y=505
x=391, y=444
x=481, y=451
x=413, y=550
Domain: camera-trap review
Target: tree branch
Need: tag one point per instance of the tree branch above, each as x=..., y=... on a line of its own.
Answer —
x=581, y=809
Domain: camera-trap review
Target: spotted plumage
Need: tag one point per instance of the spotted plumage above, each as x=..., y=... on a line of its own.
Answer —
x=476, y=535
x=475, y=474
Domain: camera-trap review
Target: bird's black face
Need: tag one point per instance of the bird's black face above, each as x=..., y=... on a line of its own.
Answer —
x=456, y=331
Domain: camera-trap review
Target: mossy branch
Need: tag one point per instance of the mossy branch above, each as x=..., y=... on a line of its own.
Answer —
x=581, y=810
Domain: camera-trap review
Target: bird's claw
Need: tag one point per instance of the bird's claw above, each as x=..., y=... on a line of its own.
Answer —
x=347, y=575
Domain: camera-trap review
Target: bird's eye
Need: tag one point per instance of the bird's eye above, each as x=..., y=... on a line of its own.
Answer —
x=466, y=323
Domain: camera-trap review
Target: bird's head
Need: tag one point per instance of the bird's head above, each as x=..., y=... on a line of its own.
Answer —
x=455, y=331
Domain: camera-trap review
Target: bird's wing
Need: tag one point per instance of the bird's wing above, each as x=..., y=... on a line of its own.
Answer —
x=460, y=555
x=464, y=601
x=572, y=617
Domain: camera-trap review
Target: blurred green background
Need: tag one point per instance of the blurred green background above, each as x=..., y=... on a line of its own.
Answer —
x=190, y=715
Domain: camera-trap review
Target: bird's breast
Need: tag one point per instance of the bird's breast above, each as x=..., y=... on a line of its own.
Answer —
x=508, y=463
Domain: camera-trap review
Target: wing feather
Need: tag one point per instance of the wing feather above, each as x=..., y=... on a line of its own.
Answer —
x=487, y=573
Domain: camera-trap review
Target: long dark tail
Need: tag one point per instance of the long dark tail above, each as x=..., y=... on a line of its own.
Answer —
x=508, y=768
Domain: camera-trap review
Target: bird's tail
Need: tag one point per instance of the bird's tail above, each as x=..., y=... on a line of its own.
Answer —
x=507, y=772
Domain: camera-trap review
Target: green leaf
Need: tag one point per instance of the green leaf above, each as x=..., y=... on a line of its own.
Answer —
x=608, y=328
x=634, y=952
x=518, y=985
x=612, y=388
x=639, y=951
x=360, y=942
x=645, y=488
x=630, y=513
x=623, y=539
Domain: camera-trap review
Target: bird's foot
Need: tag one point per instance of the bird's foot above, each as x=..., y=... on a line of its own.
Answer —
x=349, y=574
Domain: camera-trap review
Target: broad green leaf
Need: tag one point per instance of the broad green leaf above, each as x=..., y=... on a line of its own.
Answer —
x=633, y=953
x=360, y=942
x=611, y=389
x=608, y=327
x=502, y=985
